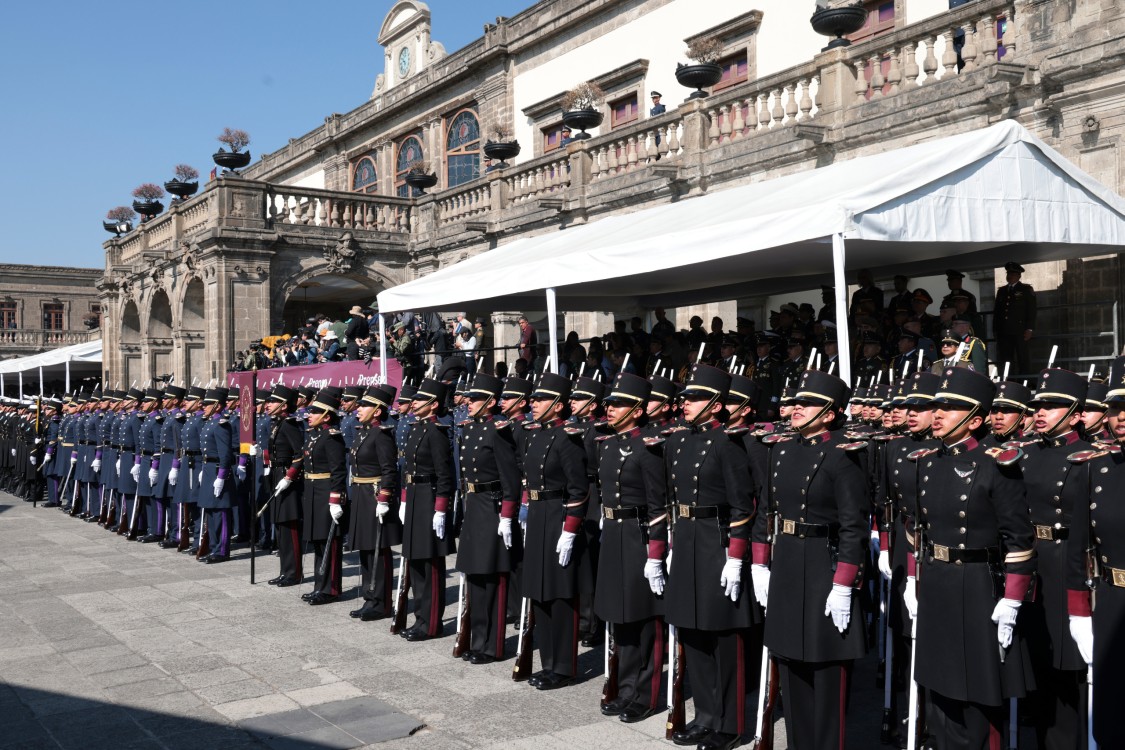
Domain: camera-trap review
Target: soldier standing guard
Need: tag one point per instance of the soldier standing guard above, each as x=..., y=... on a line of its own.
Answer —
x=428, y=483
x=975, y=538
x=585, y=416
x=216, y=483
x=283, y=457
x=163, y=488
x=375, y=526
x=491, y=487
x=557, y=491
x=1008, y=411
x=127, y=466
x=1013, y=320
x=1094, y=412
x=324, y=493
x=186, y=495
x=146, y=462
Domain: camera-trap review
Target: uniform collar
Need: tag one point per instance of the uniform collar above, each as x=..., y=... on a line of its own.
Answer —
x=1067, y=438
x=707, y=426
x=964, y=446
x=630, y=434
x=817, y=439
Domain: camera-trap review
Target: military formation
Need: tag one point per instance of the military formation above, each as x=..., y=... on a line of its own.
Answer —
x=967, y=530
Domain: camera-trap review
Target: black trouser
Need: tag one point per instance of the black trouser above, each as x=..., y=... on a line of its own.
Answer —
x=640, y=660
x=427, y=583
x=289, y=548
x=1059, y=709
x=959, y=724
x=716, y=671
x=590, y=626
x=488, y=611
x=331, y=582
x=556, y=635
x=375, y=579
x=1014, y=349
x=816, y=702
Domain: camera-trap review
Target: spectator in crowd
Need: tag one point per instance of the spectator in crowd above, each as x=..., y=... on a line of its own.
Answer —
x=467, y=344
x=662, y=328
x=356, y=332
x=867, y=292
x=329, y=347
x=529, y=342
x=484, y=345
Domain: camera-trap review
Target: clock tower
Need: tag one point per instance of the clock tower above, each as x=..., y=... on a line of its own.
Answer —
x=407, y=47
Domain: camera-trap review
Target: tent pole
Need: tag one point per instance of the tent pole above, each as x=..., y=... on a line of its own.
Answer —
x=21, y=385
x=843, y=344
x=67, y=363
x=553, y=328
x=40, y=382
x=383, y=347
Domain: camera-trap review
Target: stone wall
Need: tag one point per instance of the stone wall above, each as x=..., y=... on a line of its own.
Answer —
x=29, y=288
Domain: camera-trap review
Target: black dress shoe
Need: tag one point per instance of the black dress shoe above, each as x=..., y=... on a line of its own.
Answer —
x=55, y=504
x=614, y=707
x=212, y=559
x=321, y=598
x=537, y=676
x=720, y=741
x=240, y=538
x=413, y=635
x=597, y=639
x=169, y=544
x=373, y=614
x=276, y=580
x=191, y=551
x=466, y=656
x=481, y=659
x=93, y=519
x=692, y=734
x=634, y=712
x=554, y=682
x=286, y=582
x=150, y=538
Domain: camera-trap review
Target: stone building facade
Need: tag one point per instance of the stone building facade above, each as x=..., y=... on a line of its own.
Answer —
x=45, y=307
x=328, y=220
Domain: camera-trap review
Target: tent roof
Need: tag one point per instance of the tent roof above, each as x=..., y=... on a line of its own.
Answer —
x=90, y=351
x=977, y=199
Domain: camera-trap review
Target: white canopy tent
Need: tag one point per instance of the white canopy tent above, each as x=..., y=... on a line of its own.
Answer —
x=983, y=197
x=83, y=358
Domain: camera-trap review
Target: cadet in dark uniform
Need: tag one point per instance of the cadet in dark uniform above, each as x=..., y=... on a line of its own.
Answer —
x=324, y=494
x=585, y=416
x=491, y=487
x=1009, y=408
x=975, y=538
x=558, y=486
x=1013, y=319
x=814, y=628
x=128, y=460
x=766, y=372
x=660, y=411
x=1096, y=568
x=283, y=457
x=630, y=582
x=1094, y=410
x=427, y=476
x=216, y=480
x=186, y=495
x=161, y=522
x=1055, y=487
x=514, y=403
x=704, y=599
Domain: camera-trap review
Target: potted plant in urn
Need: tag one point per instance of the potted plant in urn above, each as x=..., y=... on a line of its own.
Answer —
x=184, y=185
x=504, y=147
x=581, y=108
x=420, y=177
x=119, y=220
x=147, y=202
x=233, y=160
x=704, y=70
x=91, y=320
x=837, y=22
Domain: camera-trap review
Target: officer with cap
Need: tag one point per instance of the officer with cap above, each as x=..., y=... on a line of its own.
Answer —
x=375, y=526
x=428, y=480
x=765, y=371
x=128, y=459
x=1094, y=426
x=262, y=490
x=660, y=410
x=905, y=362
x=1013, y=319
x=972, y=523
x=146, y=466
x=1096, y=568
x=657, y=108
x=554, y=575
x=283, y=457
x=809, y=579
x=974, y=352
x=324, y=494
x=216, y=476
x=491, y=486
x=515, y=400
x=870, y=362
x=954, y=279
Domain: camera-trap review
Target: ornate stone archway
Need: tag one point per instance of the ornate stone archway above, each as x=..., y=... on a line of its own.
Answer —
x=323, y=288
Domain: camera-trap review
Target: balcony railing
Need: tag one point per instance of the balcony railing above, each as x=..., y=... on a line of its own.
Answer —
x=43, y=339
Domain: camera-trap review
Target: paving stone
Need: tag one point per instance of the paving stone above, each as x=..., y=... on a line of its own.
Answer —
x=284, y=723
x=245, y=709
x=377, y=729
x=326, y=738
x=324, y=693
x=234, y=691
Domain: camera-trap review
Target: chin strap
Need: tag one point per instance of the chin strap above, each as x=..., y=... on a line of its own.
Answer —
x=547, y=411
x=624, y=416
x=972, y=413
x=819, y=414
x=1063, y=418
x=703, y=411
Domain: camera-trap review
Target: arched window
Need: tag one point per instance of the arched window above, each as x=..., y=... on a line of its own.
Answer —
x=365, y=179
x=462, y=149
x=409, y=151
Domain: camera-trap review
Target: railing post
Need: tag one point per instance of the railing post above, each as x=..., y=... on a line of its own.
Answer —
x=837, y=84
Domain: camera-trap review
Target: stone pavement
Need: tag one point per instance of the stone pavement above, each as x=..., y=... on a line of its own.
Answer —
x=112, y=644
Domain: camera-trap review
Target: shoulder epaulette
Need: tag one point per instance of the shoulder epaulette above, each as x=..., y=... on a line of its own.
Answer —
x=1082, y=457
x=502, y=424
x=464, y=422
x=856, y=445
x=885, y=438
x=776, y=438
x=1108, y=447
x=673, y=430
x=654, y=441
x=334, y=431
x=532, y=426
x=921, y=453
x=732, y=431
x=1005, y=456
x=224, y=420
x=602, y=438
x=574, y=431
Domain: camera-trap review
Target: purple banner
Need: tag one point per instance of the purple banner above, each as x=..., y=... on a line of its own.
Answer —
x=319, y=376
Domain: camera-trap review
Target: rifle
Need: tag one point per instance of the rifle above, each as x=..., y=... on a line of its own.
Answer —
x=609, y=688
x=522, y=669
x=398, y=623
x=133, y=518
x=677, y=717
x=101, y=505
x=768, y=680
x=185, y=529
x=320, y=572
x=203, y=549
x=110, y=511
x=888, y=668
x=461, y=645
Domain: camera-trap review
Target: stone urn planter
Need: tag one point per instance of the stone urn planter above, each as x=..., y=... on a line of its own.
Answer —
x=147, y=209
x=837, y=22
x=699, y=76
x=421, y=181
x=117, y=227
x=231, y=162
x=182, y=190
x=501, y=151
x=582, y=120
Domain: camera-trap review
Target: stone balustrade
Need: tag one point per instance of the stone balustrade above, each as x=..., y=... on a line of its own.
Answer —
x=636, y=145
x=772, y=102
x=539, y=177
x=43, y=339
x=464, y=203
x=299, y=206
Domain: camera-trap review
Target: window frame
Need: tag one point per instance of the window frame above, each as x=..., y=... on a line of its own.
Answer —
x=873, y=27
x=400, y=174
x=370, y=188
x=615, y=123
x=468, y=149
x=12, y=307
x=739, y=55
x=56, y=309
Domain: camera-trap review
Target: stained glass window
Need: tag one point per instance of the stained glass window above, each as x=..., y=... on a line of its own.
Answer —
x=409, y=152
x=365, y=179
x=462, y=149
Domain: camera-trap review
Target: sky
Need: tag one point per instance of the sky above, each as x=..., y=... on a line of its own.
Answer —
x=99, y=97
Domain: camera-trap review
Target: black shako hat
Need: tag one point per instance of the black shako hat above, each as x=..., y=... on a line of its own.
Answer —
x=1011, y=395
x=485, y=386
x=216, y=396
x=628, y=389
x=516, y=388
x=261, y=395
x=662, y=388
x=707, y=382
x=152, y=394
x=406, y=393
x=1095, y=397
x=586, y=389
x=284, y=394
x=743, y=391
x=326, y=400
x=1116, y=382
x=552, y=385
x=431, y=390
x=922, y=389
x=822, y=389
x=353, y=393
x=171, y=391
x=1058, y=387
x=962, y=388
x=378, y=395
x=195, y=393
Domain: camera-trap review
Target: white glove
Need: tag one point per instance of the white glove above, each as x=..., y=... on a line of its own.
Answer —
x=731, y=579
x=199, y=478
x=654, y=572
x=504, y=531
x=254, y=449
x=839, y=606
x=96, y=464
x=382, y=509
x=336, y=511
x=218, y=486
x=565, y=547
x=402, y=512
x=31, y=459
x=47, y=459
x=1082, y=631
x=1005, y=618
x=38, y=441
x=241, y=472
x=265, y=471
x=135, y=472
x=885, y=564
x=910, y=596
x=117, y=467
x=152, y=475
x=282, y=485
x=173, y=475
x=760, y=576
x=73, y=456
x=439, y=524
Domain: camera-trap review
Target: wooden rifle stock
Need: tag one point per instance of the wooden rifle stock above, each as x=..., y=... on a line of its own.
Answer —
x=461, y=645
x=522, y=669
x=610, y=687
x=398, y=623
x=203, y=549
x=185, y=528
x=110, y=511
x=677, y=717
x=132, y=531
x=766, y=742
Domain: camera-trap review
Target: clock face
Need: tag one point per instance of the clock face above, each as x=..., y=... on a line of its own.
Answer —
x=404, y=61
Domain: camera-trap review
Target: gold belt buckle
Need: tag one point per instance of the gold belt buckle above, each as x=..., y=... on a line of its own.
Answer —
x=608, y=513
x=941, y=552
x=1118, y=577
x=788, y=527
x=1044, y=532
x=533, y=494
x=685, y=511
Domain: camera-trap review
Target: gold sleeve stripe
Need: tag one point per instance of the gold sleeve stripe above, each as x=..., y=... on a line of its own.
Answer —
x=658, y=519
x=743, y=522
x=1018, y=557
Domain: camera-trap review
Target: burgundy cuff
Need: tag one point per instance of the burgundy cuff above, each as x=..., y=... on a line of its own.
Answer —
x=1016, y=586
x=523, y=498
x=1078, y=603
x=572, y=524
x=441, y=504
x=911, y=566
x=335, y=499
x=847, y=574
x=222, y=473
x=656, y=549
x=737, y=549
x=761, y=553
x=884, y=541
x=175, y=463
x=403, y=499
x=266, y=456
x=291, y=473
x=508, y=508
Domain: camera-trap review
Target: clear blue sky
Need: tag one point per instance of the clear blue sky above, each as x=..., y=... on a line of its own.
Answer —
x=99, y=97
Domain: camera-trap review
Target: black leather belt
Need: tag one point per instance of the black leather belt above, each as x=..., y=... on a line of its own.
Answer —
x=620, y=514
x=146, y=453
x=700, y=511
x=546, y=494
x=1114, y=576
x=192, y=453
x=419, y=478
x=210, y=460
x=474, y=487
x=167, y=450
x=807, y=530
x=116, y=446
x=958, y=556
x=1051, y=533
